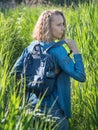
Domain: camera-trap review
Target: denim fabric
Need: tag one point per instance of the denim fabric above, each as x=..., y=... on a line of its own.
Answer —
x=69, y=68
x=50, y=106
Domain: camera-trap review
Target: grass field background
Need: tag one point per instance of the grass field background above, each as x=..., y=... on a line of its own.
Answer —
x=16, y=27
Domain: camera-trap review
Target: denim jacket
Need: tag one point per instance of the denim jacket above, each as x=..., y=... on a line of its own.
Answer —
x=69, y=68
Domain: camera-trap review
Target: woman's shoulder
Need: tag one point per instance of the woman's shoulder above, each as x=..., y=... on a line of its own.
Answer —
x=59, y=50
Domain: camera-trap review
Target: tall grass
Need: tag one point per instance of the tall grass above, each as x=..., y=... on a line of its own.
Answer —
x=83, y=27
x=16, y=26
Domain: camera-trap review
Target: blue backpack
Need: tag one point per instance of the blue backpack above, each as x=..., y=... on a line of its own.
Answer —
x=39, y=70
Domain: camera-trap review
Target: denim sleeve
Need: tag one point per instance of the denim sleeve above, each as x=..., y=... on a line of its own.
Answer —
x=75, y=68
x=18, y=67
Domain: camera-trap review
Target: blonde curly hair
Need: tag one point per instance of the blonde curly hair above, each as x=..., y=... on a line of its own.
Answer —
x=42, y=30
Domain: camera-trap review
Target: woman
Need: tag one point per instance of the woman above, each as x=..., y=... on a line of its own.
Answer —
x=51, y=26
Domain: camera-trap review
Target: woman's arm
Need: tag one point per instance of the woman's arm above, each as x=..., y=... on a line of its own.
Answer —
x=75, y=68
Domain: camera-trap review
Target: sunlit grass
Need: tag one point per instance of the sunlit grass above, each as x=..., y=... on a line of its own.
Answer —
x=16, y=28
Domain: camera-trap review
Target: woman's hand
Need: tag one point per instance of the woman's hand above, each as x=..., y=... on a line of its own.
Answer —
x=72, y=45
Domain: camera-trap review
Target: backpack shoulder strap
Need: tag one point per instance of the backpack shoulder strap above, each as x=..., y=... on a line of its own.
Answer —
x=55, y=45
x=37, y=46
